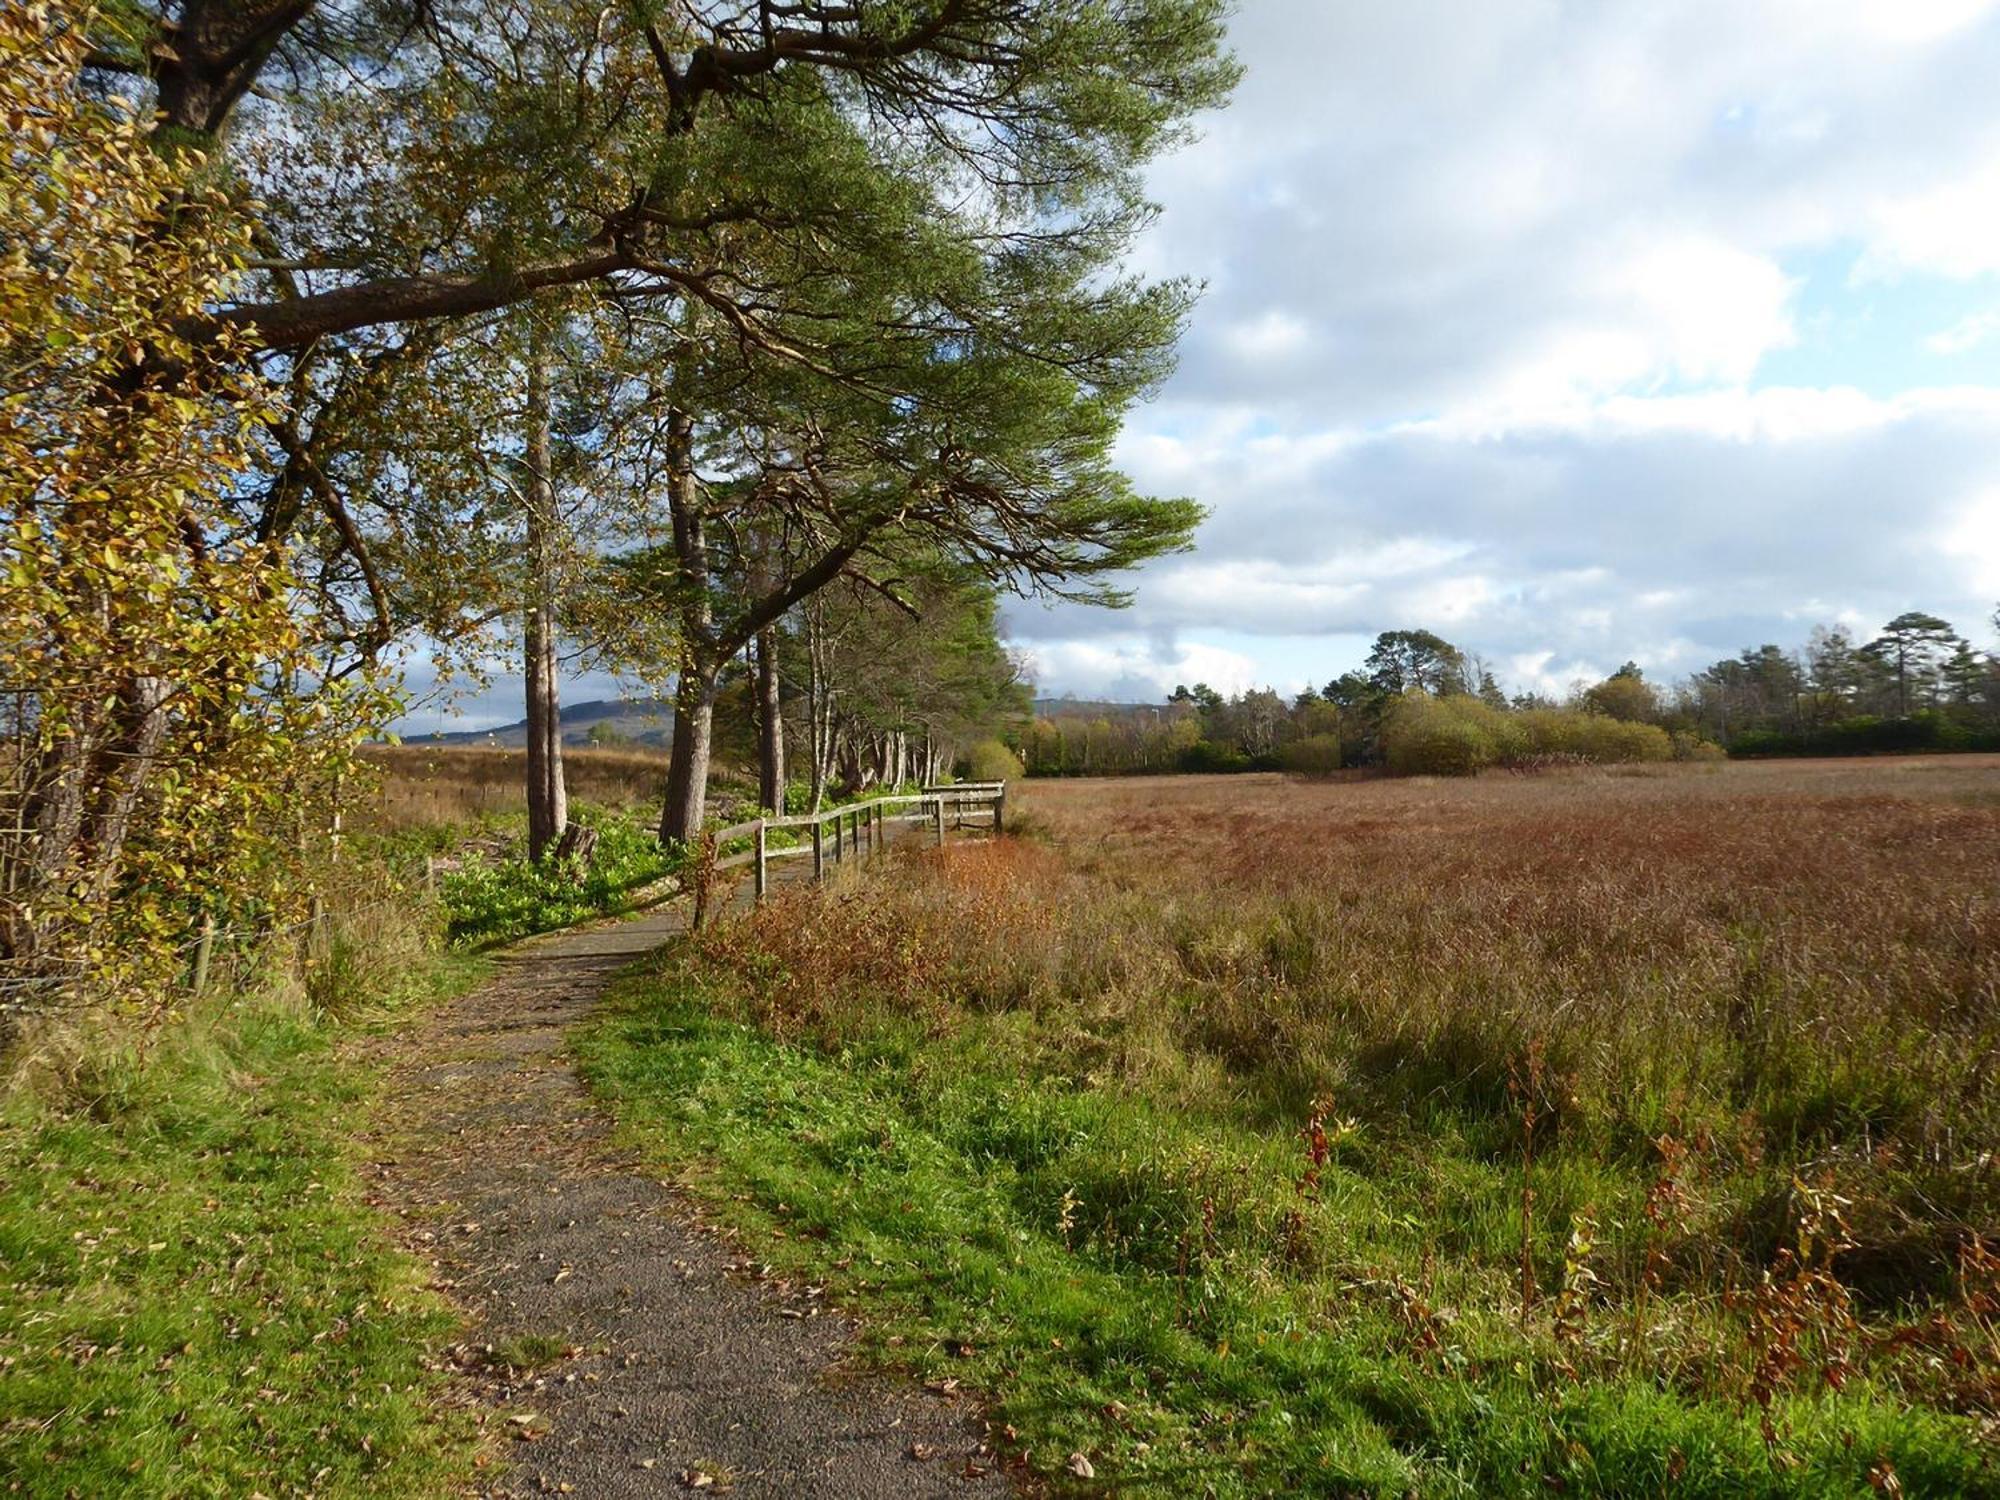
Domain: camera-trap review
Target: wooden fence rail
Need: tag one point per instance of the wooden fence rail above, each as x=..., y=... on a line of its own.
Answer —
x=860, y=821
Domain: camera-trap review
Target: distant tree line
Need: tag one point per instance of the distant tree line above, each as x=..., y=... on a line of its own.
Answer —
x=1420, y=703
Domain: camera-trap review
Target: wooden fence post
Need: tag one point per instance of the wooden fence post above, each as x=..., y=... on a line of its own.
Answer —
x=1000, y=810
x=937, y=817
x=204, y=950
x=819, y=851
x=763, y=868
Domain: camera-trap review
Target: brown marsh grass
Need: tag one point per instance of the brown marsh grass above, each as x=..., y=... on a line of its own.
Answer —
x=1616, y=1132
x=425, y=786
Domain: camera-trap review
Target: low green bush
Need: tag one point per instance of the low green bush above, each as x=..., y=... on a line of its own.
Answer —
x=498, y=897
x=1206, y=757
x=1315, y=755
x=1425, y=736
x=1460, y=736
x=991, y=760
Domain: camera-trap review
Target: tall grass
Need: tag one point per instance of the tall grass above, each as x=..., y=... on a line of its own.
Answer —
x=430, y=785
x=1616, y=1133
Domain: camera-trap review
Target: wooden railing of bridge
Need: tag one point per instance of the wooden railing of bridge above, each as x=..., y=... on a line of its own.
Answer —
x=840, y=833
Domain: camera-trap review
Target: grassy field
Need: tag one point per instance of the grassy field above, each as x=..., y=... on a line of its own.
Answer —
x=1590, y=1133
x=195, y=1298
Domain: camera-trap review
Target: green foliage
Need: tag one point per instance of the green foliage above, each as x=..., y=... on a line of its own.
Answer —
x=1689, y=746
x=1428, y=736
x=162, y=760
x=197, y=1299
x=1207, y=758
x=1416, y=661
x=1315, y=755
x=991, y=760
x=1128, y=1279
x=1460, y=736
x=1870, y=734
x=495, y=899
x=1625, y=694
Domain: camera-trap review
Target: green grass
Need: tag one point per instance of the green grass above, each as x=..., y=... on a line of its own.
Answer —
x=1124, y=1277
x=498, y=898
x=194, y=1298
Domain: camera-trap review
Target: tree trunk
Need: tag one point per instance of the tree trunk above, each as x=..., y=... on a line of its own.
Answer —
x=701, y=666
x=548, y=792
x=818, y=713
x=770, y=725
x=687, y=771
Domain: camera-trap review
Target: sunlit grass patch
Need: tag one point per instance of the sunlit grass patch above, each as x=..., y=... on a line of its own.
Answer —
x=194, y=1297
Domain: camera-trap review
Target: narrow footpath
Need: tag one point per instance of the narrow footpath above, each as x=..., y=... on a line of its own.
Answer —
x=663, y=1365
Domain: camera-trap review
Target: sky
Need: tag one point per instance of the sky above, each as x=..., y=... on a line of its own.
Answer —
x=1578, y=331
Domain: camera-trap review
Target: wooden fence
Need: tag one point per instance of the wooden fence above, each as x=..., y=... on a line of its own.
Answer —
x=840, y=833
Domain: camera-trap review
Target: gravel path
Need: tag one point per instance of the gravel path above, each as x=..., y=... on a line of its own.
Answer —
x=663, y=1366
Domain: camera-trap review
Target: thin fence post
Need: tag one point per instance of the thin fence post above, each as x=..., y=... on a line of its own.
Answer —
x=819, y=851
x=937, y=817
x=203, y=952
x=1000, y=810
x=763, y=870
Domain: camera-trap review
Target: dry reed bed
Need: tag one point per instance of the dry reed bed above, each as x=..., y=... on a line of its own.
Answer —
x=1798, y=964
x=1794, y=968
x=432, y=785
x=1659, y=1107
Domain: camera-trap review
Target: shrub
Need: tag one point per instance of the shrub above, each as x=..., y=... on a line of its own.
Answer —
x=1690, y=746
x=1315, y=755
x=1207, y=757
x=991, y=760
x=1459, y=736
x=496, y=900
x=1425, y=736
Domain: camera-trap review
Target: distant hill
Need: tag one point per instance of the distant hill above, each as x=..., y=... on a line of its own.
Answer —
x=634, y=721
x=649, y=722
x=1090, y=708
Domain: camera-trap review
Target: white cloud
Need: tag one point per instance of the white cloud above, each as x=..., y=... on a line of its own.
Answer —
x=1130, y=668
x=1950, y=227
x=1671, y=531
x=1971, y=539
x=1905, y=22
x=1272, y=334
x=1967, y=334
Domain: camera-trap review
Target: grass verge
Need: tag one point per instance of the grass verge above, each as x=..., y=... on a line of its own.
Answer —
x=939, y=1189
x=194, y=1298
